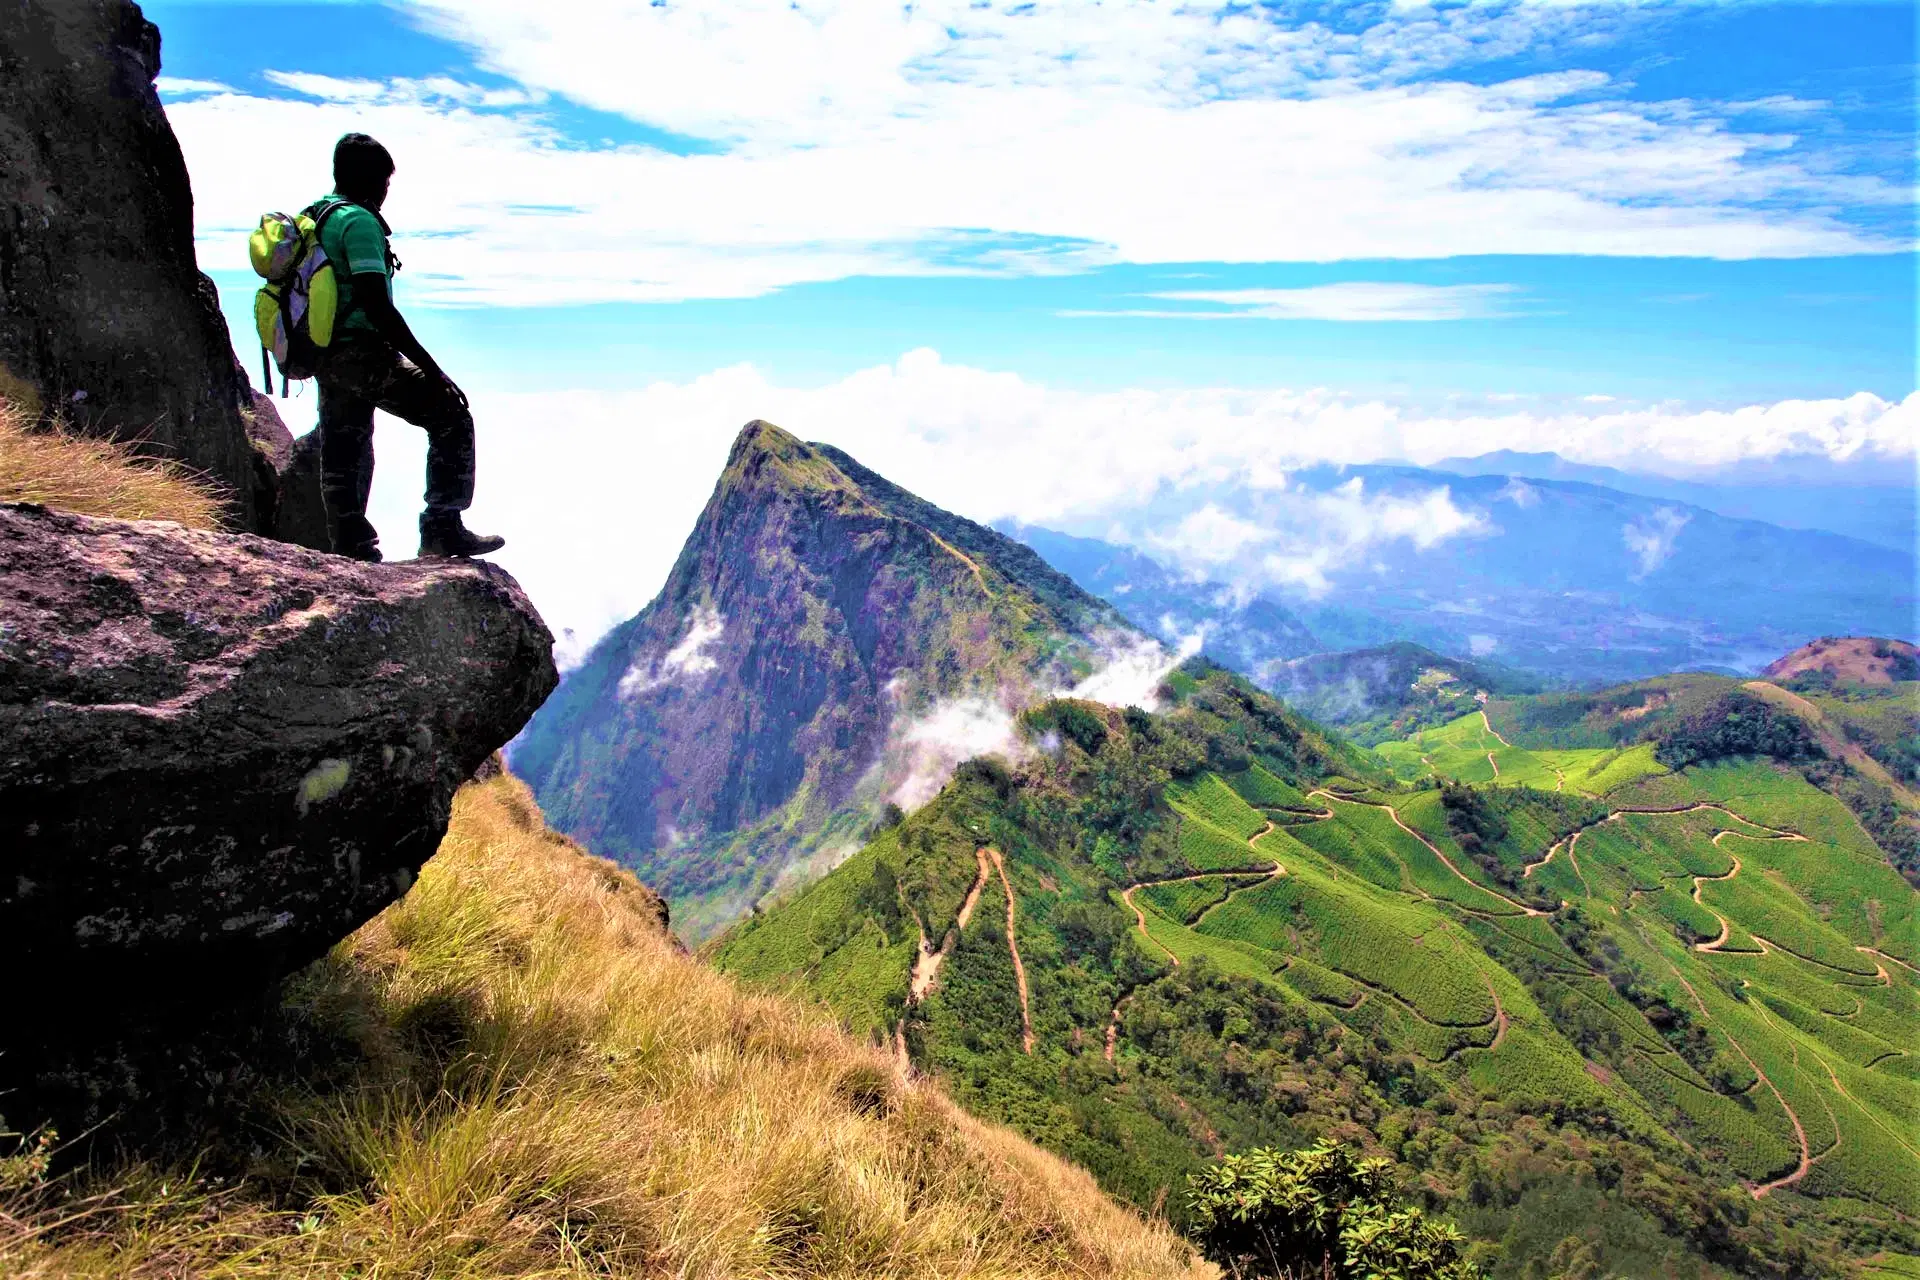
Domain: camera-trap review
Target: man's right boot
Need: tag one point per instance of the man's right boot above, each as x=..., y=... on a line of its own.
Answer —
x=442, y=534
x=355, y=538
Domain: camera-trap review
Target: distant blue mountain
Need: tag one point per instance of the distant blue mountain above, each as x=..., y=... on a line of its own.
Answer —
x=1569, y=579
x=1244, y=633
x=1859, y=503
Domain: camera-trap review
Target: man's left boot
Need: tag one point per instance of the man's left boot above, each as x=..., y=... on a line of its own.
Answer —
x=443, y=535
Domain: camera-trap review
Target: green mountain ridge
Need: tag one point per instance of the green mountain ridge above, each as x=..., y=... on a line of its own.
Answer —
x=746, y=724
x=1653, y=997
x=1388, y=691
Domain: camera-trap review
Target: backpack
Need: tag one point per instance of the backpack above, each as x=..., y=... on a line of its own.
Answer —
x=295, y=311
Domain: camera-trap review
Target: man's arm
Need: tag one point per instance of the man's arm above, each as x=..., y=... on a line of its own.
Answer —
x=370, y=294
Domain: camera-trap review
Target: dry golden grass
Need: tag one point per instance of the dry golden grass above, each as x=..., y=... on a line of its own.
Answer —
x=96, y=477
x=543, y=1084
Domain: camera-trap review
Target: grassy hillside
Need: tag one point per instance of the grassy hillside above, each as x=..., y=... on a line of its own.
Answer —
x=515, y=1071
x=1222, y=935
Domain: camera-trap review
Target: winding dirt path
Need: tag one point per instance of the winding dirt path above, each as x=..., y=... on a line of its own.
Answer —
x=1799, y=1131
x=926, y=966
x=964, y=559
x=1140, y=916
x=1885, y=978
x=1490, y=729
x=1013, y=947
x=1499, y=1015
x=1719, y=943
x=1140, y=920
x=1434, y=849
x=1777, y=833
x=1842, y=1089
x=1493, y=764
x=1526, y=872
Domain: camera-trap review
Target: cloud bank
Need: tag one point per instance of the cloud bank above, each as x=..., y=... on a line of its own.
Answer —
x=994, y=445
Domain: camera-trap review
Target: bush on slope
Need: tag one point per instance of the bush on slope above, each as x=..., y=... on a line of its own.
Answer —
x=515, y=1071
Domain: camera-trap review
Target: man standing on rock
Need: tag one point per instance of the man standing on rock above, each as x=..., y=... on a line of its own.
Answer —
x=376, y=363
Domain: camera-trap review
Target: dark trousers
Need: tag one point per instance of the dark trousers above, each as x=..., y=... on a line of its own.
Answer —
x=359, y=377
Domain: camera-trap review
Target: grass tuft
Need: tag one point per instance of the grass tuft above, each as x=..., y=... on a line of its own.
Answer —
x=46, y=464
x=540, y=1082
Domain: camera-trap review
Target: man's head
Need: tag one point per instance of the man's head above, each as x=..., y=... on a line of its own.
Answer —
x=361, y=170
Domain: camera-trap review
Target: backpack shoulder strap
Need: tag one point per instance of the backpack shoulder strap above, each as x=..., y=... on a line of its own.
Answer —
x=321, y=210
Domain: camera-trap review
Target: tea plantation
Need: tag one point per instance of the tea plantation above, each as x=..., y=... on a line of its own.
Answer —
x=1684, y=999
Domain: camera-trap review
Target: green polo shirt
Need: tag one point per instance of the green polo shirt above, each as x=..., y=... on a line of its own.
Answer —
x=356, y=243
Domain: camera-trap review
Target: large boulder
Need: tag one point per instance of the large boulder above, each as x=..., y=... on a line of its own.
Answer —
x=105, y=317
x=219, y=754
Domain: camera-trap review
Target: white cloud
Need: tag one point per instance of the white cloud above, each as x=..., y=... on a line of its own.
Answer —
x=1350, y=301
x=688, y=659
x=924, y=749
x=1519, y=493
x=1297, y=538
x=930, y=746
x=1316, y=535
x=179, y=84
x=1651, y=538
x=1130, y=672
x=1208, y=537
x=944, y=137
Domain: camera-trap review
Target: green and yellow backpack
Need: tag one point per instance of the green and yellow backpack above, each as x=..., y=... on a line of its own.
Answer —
x=296, y=310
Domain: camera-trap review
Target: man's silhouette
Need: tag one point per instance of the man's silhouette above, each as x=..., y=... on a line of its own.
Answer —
x=376, y=363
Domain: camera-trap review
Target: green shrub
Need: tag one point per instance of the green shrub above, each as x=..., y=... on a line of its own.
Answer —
x=1321, y=1212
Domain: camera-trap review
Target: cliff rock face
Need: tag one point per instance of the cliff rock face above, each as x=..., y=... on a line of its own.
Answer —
x=814, y=608
x=220, y=754
x=104, y=316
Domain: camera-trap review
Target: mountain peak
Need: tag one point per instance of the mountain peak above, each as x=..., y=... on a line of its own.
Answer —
x=1873, y=660
x=766, y=457
x=816, y=614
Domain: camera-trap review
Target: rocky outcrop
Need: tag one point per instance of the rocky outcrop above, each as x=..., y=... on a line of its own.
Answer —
x=291, y=510
x=219, y=754
x=104, y=316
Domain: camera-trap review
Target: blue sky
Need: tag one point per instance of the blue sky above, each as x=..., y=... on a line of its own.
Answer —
x=965, y=238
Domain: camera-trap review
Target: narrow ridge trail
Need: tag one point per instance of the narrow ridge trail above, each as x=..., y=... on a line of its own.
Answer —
x=1490, y=729
x=1013, y=946
x=926, y=966
x=1526, y=872
x=1434, y=849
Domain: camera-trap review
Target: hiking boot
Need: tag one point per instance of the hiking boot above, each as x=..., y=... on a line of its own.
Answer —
x=355, y=538
x=444, y=536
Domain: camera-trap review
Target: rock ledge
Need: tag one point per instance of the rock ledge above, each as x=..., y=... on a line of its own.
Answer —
x=220, y=754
